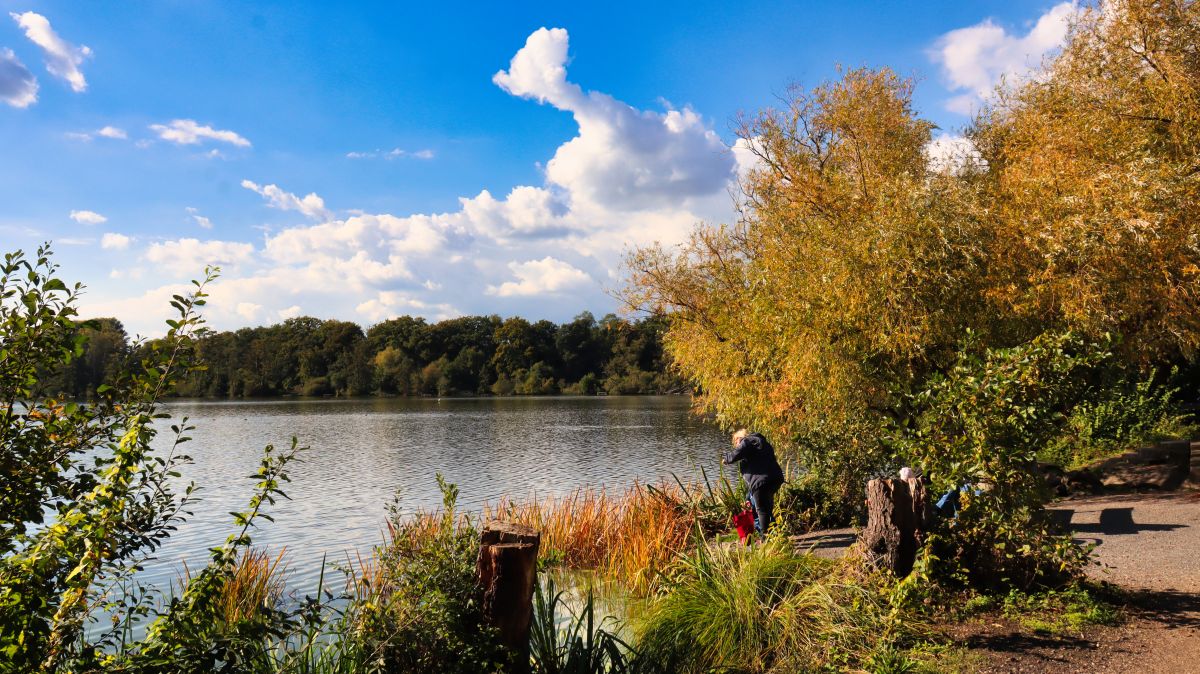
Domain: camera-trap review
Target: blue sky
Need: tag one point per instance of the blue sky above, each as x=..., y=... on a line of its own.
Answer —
x=366, y=160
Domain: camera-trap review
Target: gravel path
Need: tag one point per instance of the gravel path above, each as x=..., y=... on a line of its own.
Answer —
x=1144, y=541
x=1149, y=545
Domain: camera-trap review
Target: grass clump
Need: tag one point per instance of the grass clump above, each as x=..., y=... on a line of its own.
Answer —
x=1057, y=612
x=767, y=609
x=1066, y=610
x=256, y=582
x=932, y=657
x=573, y=642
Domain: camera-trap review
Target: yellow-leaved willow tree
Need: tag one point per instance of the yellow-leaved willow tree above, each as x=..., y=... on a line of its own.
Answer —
x=1093, y=181
x=857, y=268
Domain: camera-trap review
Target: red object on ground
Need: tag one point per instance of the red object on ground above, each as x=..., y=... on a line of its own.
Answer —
x=744, y=521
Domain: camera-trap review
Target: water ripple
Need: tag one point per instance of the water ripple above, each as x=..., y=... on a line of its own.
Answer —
x=364, y=452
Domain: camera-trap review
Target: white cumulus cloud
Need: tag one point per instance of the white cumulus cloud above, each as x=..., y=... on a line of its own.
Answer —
x=199, y=219
x=62, y=58
x=115, y=241
x=627, y=177
x=623, y=158
x=189, y=257
x=975, y=58
x=311, y=205
x=390, y=303
x=189, y=132
x=538, y=277
x=88, y=217
x=105, y=132
x=248, y=310
x=18, y=86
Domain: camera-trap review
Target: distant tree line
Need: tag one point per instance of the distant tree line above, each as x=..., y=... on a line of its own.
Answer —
x=404, y=356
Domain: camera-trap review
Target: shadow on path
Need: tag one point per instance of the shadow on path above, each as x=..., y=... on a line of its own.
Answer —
x=1113, y=522
x=826, y=541
x=830, y=544
x=1170, y=608
x=1028, y=644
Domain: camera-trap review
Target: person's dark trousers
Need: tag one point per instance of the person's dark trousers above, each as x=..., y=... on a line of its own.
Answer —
x=763, y=501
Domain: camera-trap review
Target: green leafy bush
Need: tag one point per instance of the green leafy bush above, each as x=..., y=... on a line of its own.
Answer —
x=421, y=611
x=982, y=425
x=812, y=502
x=83, y=497
x=1121, y=415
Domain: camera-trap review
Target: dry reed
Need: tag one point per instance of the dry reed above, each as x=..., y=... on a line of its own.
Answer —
x=628, y=537
x=257, y=581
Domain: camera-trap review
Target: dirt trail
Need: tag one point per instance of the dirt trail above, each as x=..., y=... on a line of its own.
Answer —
x=1148, y=544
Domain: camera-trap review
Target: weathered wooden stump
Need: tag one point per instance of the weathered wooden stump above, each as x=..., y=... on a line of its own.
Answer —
x=507, y=572
x=898, y=514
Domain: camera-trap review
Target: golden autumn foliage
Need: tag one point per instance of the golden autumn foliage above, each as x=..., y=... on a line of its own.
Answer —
x=1094, y=181
x=857, y=268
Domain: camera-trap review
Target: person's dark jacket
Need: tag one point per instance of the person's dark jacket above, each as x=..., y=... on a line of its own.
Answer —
x=759, y=468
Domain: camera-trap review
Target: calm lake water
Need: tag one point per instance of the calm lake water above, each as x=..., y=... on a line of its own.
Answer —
x=363, y=452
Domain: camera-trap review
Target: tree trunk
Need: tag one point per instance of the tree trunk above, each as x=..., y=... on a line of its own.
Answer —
x=507, y=571
x=897, y=516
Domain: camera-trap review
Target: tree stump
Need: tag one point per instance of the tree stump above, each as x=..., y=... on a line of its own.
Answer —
x=507, y=572
x=897, y=516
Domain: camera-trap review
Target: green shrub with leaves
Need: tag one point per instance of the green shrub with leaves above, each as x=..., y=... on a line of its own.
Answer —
x=83, y=497
x=194, y=632
x=1124, y=413
x=812, y=502
x=85, y=500
x=422, y=613
x=980, y=430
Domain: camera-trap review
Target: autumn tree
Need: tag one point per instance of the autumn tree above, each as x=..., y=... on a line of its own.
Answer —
x=1093, y=179
x=852, y=272
x=857, y=273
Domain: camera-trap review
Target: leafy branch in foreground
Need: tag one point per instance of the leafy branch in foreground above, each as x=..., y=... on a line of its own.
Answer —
x=193, y=631
x=86, y=499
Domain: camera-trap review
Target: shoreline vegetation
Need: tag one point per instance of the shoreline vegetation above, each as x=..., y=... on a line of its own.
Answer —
x=1032, y=300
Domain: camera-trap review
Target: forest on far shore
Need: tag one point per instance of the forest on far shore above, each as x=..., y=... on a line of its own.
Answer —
x=405, y=356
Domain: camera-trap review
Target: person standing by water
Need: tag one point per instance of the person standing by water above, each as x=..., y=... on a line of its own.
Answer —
x=761, y=472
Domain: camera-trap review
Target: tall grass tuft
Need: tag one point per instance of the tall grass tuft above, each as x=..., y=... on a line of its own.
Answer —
x=582, y=645
x=765, y=609
x=256, y=582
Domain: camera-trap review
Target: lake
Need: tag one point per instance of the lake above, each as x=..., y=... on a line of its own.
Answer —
x=363, y=452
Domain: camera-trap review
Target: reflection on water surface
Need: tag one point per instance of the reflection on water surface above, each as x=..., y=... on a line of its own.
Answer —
x=364, y=451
